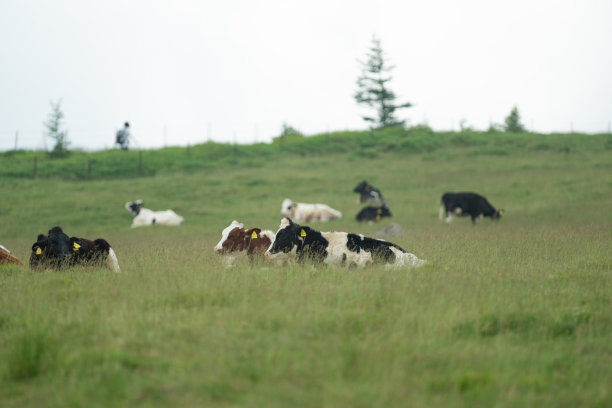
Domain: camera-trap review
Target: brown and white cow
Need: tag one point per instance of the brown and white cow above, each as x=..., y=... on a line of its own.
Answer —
x=236, y=238
x=7, y=258
x=294, y=241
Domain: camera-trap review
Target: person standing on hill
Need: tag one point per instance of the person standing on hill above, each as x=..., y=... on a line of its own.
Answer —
x=123, y=136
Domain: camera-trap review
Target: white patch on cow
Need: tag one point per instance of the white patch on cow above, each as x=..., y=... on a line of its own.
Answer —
x=3, y=248
x=111, y=261
x=457, y=211
x=284, y=223
x=405, y=259
x=225, y=233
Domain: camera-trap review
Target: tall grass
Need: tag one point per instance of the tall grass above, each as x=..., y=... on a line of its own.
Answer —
x=512, y=313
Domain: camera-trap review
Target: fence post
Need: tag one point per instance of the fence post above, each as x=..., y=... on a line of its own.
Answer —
x=140, y=161
x=88, y=169
x=35, y=165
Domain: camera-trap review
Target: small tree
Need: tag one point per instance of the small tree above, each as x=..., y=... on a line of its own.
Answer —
x=373, y=91
x=55, y=132
x=513, y=122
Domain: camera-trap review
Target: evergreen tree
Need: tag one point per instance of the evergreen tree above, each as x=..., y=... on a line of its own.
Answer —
x=373, y=89
x=513, y=122
x=55, y=132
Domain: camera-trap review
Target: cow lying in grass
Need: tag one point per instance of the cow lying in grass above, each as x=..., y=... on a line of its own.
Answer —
x=302, y=212
x=57, y=250
x=336, y=248
x=236, y=238
x=144, y=217
x=370, y=213
x=7, y=258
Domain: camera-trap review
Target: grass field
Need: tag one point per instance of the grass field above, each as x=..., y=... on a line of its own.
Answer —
x=510, y=314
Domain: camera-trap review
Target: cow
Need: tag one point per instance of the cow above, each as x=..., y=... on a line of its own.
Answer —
x=144, y=216
x=369, y=194
x=56, y=250
x=467, y=204
x=302, y=212
x=236, y=238
x=7, y=258
x=97, y=252
x=294, y=241
x=371, y=213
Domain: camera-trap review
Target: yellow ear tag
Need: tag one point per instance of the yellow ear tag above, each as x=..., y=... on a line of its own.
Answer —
x=38, y=251
x=254, y=234
x=378, y=218
x=302, y=233
x=76, y=247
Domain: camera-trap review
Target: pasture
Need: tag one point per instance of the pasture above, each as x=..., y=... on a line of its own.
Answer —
x=512, y=313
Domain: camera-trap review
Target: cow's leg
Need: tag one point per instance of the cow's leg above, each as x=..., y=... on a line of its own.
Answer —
x=449, y=216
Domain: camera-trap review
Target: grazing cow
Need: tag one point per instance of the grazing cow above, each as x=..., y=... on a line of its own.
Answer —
x=7, y=258
x=296, y=241
x=237, y=238
x=144, y=216
x=302, y=212
x=464, y=204
x=370, y=213
x=57, y=250
x=369, y=194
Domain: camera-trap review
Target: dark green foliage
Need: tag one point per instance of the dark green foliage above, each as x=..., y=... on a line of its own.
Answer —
x=54, y=127
x=373, y=89
x=513, y=122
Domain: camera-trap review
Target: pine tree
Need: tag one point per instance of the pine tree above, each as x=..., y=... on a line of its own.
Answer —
x=55, y=132
x=513, y=122
x=373, y=89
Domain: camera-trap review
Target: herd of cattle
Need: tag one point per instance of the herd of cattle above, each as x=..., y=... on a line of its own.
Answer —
x=292, y=241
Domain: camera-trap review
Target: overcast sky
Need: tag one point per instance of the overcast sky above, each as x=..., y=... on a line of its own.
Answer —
x=182, y=72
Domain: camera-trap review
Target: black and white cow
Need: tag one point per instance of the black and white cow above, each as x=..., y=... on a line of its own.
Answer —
x=368, y=194
x=370, y=213
x=467, y=204
x=144, y=217
x=294, y=241
x=57, y=250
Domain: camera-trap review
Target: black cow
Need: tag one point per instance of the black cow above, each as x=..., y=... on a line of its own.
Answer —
x=368, y=194
x=467, y=204
x=370, y=213
x=57, y=250
x=294, y=241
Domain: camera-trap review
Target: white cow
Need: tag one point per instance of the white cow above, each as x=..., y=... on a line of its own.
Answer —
x=144, y=216
x=302, y=212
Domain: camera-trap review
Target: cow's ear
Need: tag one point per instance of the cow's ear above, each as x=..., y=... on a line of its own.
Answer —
x=305, y=231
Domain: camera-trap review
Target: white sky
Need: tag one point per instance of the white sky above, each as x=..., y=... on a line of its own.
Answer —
x=236, y=70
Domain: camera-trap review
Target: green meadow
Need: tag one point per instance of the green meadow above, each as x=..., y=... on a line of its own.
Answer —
x=512, y=313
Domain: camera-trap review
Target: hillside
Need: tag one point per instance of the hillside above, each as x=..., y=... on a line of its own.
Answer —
x=511, y=313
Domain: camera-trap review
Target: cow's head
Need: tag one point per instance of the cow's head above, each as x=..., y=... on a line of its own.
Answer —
x=497, y=214
x=383, y=212
x=287, y=207
x=53, y=248
x=134, y=206
x=289, y=239
x=228, y=236
x=363, y=187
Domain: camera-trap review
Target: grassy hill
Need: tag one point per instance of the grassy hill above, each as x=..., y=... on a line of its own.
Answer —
x=513, y=313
